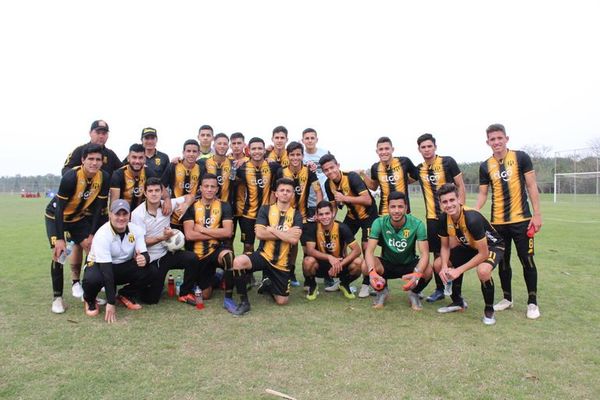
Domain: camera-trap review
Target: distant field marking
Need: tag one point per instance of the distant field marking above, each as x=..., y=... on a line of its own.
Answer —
x=571, y=221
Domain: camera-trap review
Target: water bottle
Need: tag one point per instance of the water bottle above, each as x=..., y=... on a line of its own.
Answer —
x=233, y=171
x=65, y=254
x=199, y=299
x=178, y=283
x=448, y=288
x=171, y=286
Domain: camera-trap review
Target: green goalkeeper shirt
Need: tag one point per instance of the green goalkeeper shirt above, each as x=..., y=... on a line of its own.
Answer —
x=398, y=245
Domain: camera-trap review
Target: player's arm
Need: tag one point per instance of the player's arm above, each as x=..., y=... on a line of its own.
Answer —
x=370, y=253
x=481, y=196
x=411, y=171
x=191, y=234
x=532, y=189
x=217, y=233
x=311, y=250
x=423, y=247
x=291, y=236
x=355, y=251
x=460, y=185
x=363, y=199
x=482, y=255
x=371, y=183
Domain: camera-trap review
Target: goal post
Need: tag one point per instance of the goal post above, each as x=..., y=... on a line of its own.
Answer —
x=577, y=183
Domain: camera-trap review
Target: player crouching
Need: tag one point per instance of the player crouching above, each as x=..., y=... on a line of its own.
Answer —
x=327, y=243
x=398, y=234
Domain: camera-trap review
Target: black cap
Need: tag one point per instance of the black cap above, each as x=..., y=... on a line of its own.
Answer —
x=148, y=132
x=99, y=125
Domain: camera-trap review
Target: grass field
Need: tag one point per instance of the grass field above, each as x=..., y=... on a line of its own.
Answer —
x=331, y=348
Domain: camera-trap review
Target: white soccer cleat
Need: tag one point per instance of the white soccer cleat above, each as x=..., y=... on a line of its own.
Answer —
x=489, y=320
x=58, y=307
x=333, y=288
x=77, y=290
x=364, y=291
x=533, y=311
x=503, y=305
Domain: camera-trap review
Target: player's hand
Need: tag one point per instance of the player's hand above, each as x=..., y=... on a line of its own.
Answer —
x=110, y=315
x=86, y=244
x=377, y=281
x=140, y=260
x=443, y=273
x=536, y=221
x=238, y=163
x=167, y=207
x=167, y=233
x=59, y=248
x=175, y=160
x=269, y=148
x=336, y=265
x=451, y=274
x=339, y=197
x=412, y=280
x=312, y=166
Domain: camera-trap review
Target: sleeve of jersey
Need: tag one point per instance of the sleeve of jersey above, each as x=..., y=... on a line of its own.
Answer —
x=298, y=219
x=166, y=176
x=524, y=162
x=101, y=249
x=357, y=185
x=136, y=216
x=346, y=234
x=374, y=174
x=189, y=214
x=115, y=161
x=312, y=178
x=105, y=186
x=202, y=164
x=67, y=185
x=484, y=177
x=475, y=224
x=263, y=216
x=453, y=167
x=73, y=159
x=139, y=232
x=410, y=169
x=442, y=227
x=149, y=173
x=310, y=233
x=421, y=231
x=117, y=179
x=226, y=213
x=375, y=231
x=328, y=190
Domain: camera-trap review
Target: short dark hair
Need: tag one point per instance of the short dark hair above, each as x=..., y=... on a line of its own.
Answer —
x=397, y=196
x=90, y=148
x=256, y=140
x=308, y=130
x=136, y=148
x=424, y=137
x=495, y=128
x=153, y=181
x=447, y=188
x=284, y=181
x=208, y=175
x=208, y=127
x=221, y=135
x=326, y=158
x=323, y=204
x=191, y=141
x=237, y=135
x=384, y=139
x=294, y=146
x=280, y=128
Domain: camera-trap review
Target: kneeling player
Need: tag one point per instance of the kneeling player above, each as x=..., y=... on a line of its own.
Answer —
x=208, y=223
x=398, y=234
x=468, y=241
x=327, y=255
x=278, y=227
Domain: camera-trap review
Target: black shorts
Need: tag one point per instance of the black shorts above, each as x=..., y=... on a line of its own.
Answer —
x=393, y=271
x=322, y=269
x=74, y=231
x=461, y=255
x=362, y=224
x=517, y=233
x=435, y=243
x=247, y=234
x=208, y=266
x=280, y=279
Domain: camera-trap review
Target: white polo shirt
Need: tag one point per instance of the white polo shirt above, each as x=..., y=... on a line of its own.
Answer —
x=154, y=225
x=315, y=157
x=109, y=247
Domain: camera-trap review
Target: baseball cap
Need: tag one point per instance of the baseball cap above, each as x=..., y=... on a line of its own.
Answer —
x=99, y=125
x=148, y=132
x=119, y=205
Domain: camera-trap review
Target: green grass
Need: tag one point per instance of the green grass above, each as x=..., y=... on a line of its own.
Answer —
x=327, y=349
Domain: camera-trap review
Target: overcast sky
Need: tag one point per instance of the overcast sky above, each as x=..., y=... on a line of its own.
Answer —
x=354, y=71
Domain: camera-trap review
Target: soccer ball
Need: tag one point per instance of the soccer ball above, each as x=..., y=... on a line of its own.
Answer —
x=175, y=242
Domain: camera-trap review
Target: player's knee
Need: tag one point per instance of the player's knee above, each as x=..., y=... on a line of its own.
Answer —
x=281, y=300
x=437, y=264
x=484, y=272
x=241, y=262
x=207, y=293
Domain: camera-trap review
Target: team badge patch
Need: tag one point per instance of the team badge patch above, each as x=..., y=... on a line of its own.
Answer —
x=406, y=233
x=157, y=161
x=131, y=238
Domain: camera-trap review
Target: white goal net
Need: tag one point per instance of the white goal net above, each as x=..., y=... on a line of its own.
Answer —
x=577, y=175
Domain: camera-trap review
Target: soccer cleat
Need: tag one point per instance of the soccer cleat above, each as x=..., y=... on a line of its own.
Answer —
x=305, y=287
x=533, y=311
x=334, y=285
x=312, y=293
x=346, y=291
x=188, y=299
x=77, y=290
x=294, y=281
x=364, y=291
x=58, y=307
x=503, y=305
x=229, y=304
x=265, y=286
x=130, y=304
x=380, y=298
x=491, y=320
x=241, y=309
x=453, y=307
x=438, y=294
x=415, y=301
x=91, y=310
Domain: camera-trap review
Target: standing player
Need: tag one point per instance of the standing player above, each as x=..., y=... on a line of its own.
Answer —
x=392, y=174
x=205, y=137
x=128, y=181
x=156, y=161
x=219, y=165
x=279, y=153
x=149, y=215
x=118, y=256
x=74, y=214
x=468, y=241
x=399, y=234
x=511, y=176
x=433, y=172
x=346, y=188
x=238, y=158
x=326, y=254
x=208, y=224
x=182, y=178
x=278, y=227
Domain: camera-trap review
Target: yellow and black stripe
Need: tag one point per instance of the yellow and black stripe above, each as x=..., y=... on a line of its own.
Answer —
x=223, y=172
x=431, y=177
x=393, y=177
x=302, y=183
x=276, y=252
x=258, y=182
x=351, y=184
x=131, y=187
x=211, y=217
x=470, y=228
x=283, y=159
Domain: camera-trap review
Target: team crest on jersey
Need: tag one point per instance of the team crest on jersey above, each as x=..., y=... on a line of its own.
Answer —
x=265, y=170
x=105, y=160
x=131, y=238
x=157, y=161
x=406, y=233
x=214, y=211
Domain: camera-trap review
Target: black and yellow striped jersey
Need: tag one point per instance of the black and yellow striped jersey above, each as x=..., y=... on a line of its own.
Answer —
x=276, y=252
x=351, y=184
x=78, y=193
x=131, y=187
x=110, y=161
x=432, y=176
x=282, y=159
x=209, y=216
x=332, y=241
x=223, y=172
x=181, y=181
x=238, y=191
x=393, y=178
x=506, y=179
x=470, y=228
x=303, y=180
x=258, y=182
